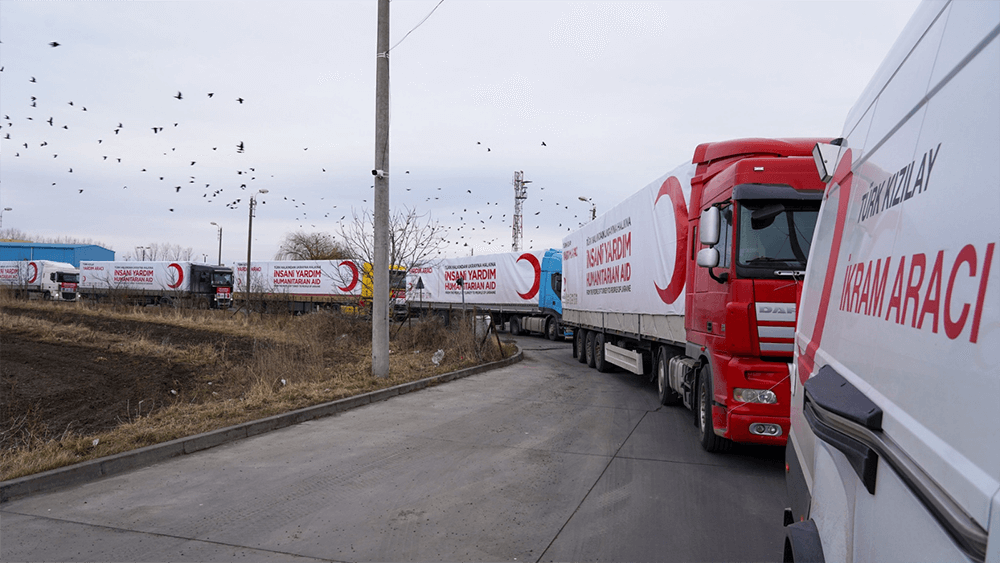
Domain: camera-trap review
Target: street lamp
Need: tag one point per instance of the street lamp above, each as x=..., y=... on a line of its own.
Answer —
x=1, y=214
x=253, y=203
x=593, y=206
x=143, y=249
x=220, y=241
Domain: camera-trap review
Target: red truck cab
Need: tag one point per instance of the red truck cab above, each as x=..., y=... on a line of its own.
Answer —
x=753, y=209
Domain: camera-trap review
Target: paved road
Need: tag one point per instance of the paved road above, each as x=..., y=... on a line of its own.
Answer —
x=543, y=460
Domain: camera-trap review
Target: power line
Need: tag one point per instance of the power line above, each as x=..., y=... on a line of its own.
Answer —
x=416, y=26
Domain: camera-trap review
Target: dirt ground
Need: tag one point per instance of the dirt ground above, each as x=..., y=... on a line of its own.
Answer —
x=87, y=389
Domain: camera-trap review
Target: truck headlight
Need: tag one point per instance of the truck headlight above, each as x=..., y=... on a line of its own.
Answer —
x=755, y=396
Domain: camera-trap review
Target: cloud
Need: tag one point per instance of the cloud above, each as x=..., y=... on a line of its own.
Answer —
x=589, y=29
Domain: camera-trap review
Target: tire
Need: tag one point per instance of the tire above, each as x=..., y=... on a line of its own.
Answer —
x=47, y=296
x=706, y=428
x=515, y=327
x=667, y=396
x=590, y=348
x=552, y=329
x=600, y=362
x=580, y=345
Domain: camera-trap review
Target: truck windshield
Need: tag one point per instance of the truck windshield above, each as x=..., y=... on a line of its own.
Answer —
x=775, y=235
x=222, y=279
x=65, y=277
x=397, y=279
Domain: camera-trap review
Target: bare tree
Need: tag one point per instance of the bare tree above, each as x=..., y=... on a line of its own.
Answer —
x=161, y=251
x=311, y=246
x=13, y=234
x=414, y=238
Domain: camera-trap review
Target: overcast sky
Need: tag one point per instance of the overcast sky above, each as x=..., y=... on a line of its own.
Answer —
x=619, y=92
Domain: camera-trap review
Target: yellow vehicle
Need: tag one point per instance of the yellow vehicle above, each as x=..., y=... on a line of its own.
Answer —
x=397, y=289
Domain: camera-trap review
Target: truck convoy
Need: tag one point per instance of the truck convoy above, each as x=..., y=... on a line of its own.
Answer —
x=180, y=283
x=894, y=449
x=693, y=282
x=519, y=288
x=40, y=278
x=303, y=286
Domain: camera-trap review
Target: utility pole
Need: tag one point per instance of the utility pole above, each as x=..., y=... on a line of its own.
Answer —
x=253, y=203
x=220, y=241
x=520, y=194
x=380, y=269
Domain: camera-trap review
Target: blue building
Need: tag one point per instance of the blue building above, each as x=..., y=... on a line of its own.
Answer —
x=71, y=253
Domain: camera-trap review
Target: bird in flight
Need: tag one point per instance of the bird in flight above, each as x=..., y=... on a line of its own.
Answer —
x=179, y=96
x=240, y=100
x=54, y=44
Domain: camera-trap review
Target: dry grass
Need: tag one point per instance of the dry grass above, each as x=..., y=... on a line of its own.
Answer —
x=293, y=362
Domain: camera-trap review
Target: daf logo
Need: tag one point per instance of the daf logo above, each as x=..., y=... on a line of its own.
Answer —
x=783, y=309
x=780, y=312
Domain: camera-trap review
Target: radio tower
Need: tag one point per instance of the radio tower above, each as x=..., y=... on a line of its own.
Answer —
x=520, y=194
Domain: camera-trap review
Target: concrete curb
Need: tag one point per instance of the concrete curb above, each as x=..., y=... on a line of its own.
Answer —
x=126, y=461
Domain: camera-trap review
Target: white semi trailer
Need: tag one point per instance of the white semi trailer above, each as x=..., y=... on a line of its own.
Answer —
x=520, y=289
x=188, y=284
x=46, y=279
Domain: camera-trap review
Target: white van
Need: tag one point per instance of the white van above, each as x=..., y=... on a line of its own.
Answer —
x=894, y=448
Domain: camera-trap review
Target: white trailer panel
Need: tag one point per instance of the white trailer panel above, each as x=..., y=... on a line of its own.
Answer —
x=630, y=259
x=317, y=278
x=143, y=276
x=510, y=279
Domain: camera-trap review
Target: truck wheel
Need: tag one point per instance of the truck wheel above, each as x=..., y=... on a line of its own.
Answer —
x=48, y=296
x=552, y=329
x=706, y=428
x=666, y=395
x=580, y=345
x=515, y=327
x=600, y=362
x=590, y=348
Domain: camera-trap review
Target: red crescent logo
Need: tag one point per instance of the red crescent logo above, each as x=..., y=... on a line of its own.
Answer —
x=354, y=275
x=180, y=276
x=538, y=275
x=33, y=268
x=672, y=189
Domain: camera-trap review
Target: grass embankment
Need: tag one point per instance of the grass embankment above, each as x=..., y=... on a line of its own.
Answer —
x=238, y=368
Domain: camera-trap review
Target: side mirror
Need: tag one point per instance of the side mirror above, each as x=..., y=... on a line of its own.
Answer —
x=826, y=157
x=708, y=257
x=709, y=226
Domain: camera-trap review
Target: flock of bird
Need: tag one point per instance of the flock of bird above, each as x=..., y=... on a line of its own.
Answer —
x=34, y=131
